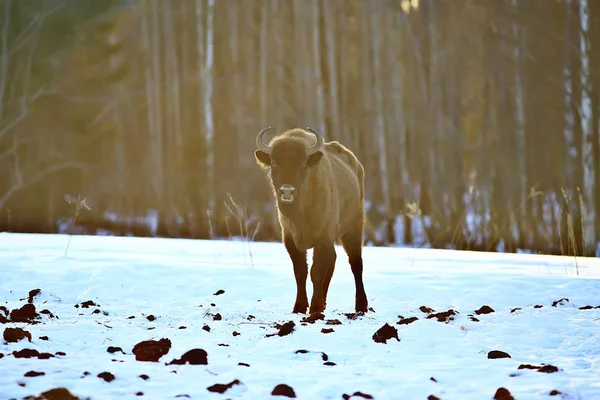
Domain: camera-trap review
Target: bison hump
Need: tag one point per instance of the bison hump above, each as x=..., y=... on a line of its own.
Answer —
x=335, y=147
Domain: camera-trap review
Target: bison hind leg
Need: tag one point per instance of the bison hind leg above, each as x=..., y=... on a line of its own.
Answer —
x=352, y=243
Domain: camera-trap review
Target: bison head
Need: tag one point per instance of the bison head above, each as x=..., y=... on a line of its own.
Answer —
x=288, y=160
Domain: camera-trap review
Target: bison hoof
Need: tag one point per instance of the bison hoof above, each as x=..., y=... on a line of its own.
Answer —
x=315, y=309
x=300, y=308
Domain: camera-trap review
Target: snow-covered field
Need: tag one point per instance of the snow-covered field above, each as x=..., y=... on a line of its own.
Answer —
x=176, y=282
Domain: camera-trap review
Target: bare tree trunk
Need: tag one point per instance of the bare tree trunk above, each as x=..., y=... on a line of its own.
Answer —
x=170, y=129
x=208, y=111
x=234, y=48
x=4, y=60
x=263, y=60
x=568, y=91
x=319, y=122
x=345, y=102
x=520, y=124
x=433, y=190
x=403, y=145
x=150, y=87
x=173, y=58
x=200, y=51
x=594, y=36
x=302, y=70
x=571, y=237
x=587, y=157
x=330, y=34
x=158, y=174
x=380, y=128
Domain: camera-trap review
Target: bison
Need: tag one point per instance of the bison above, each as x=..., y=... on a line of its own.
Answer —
x=319, y=192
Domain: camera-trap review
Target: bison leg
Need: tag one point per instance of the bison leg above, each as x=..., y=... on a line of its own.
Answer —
x=328, y=277
x=352, y=242
x=324, y=262
x=300, y=272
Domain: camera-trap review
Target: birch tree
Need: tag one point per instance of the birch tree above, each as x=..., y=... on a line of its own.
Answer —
x=587, y=157
x=208, y=108
x=331, y=48
x=519, y=116
x=317, y=82
x=150, y=94
x=157, y=101
x=380, y=128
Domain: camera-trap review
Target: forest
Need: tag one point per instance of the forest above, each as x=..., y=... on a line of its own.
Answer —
x=477, y=122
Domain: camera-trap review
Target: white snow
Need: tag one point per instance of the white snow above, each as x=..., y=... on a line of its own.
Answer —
x=175, y=280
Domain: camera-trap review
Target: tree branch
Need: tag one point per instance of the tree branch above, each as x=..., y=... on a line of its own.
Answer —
x=35, y=179
x=29, y=64
x=17, y=167
x=23, y=36
x=14, y=122
x=24, y=110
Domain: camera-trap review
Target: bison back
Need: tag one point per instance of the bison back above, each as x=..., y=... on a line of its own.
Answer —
x=341, y=152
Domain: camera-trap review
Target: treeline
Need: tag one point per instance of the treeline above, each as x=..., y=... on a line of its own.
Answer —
x=477, y=122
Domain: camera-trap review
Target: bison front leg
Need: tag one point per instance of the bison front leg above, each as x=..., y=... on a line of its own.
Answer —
x=323, y=265
x=300, y=272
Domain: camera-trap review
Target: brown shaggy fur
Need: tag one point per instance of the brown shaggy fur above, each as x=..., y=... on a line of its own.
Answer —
x=329, y=208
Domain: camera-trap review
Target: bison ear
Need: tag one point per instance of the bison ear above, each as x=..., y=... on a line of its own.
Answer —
x=314, y=159
x=262, y=158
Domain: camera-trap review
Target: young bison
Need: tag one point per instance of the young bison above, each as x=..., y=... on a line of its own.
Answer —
x=319, y=190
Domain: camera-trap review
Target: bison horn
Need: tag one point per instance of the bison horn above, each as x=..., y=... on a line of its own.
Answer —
x=260, y=143
x=320, y=141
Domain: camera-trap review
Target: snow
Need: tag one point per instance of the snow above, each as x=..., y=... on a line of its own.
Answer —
x=175, y=280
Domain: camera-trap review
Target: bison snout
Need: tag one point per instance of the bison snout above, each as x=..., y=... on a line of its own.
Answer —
x=286, y=193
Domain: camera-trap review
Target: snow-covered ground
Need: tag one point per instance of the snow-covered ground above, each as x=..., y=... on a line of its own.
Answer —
x=176, y=280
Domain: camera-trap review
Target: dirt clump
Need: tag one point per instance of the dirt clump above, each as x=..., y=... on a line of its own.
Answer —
x=284, y=329
x=385, y=333
x=503, y=394
x=357, y=394
x=494, y=354
x=114, y=349
x=32, y=353
x=426, y=310
x=193, y=357
x=151, y=350
x=223, y=387
x=32, y=294
x=13, y=335
x=484, y=310
x=107, y=376
x=406, y=321
x=33, y=374
x=443, y=316
x=283, y=390
x=26, y=314
x=540, y=368
x=560, y=302
x=54, y=394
